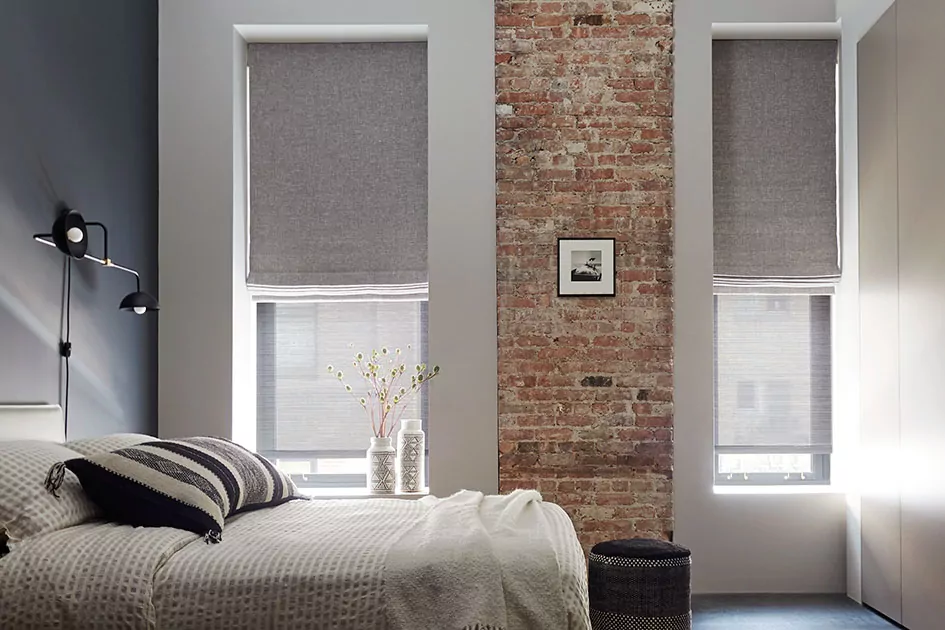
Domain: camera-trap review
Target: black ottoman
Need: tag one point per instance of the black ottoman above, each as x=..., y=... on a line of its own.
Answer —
x=639, y=584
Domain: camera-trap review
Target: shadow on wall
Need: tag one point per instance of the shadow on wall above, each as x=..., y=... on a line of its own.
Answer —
x=78, y=118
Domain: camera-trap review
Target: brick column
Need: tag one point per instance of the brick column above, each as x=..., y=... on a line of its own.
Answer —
x=584, y=149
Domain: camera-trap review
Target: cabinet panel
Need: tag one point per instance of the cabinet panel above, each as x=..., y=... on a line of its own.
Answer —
x=879, y=319
x=921, y=133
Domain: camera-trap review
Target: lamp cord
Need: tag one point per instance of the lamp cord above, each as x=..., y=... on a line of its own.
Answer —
x=65, y=347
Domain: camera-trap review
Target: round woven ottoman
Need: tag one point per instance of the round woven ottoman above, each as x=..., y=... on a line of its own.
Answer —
x=639, y=584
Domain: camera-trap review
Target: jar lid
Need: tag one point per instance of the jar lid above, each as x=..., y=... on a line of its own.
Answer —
x=410, y=425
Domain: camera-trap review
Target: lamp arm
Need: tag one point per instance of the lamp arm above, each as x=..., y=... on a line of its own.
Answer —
x=45, y=239
x=126, y=270
x=108, y=263
x=105, y=232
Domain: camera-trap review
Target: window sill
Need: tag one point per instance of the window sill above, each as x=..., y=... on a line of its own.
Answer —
x=786, y=489
x=358, y=493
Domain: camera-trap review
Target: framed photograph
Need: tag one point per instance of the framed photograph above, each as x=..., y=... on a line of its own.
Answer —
x=586, y=267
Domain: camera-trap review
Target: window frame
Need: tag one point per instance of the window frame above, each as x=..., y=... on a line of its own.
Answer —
x=822, y=363
x=331, y=481
x=820, y=475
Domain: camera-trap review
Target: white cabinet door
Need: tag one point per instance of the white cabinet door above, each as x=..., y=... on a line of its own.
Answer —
x=921, y=85
x=879, y=316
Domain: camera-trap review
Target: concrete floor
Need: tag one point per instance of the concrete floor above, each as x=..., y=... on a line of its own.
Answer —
x=783, y=612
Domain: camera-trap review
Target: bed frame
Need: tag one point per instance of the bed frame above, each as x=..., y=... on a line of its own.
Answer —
x=32, y=422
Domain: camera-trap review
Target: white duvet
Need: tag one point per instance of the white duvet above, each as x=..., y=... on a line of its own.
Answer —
x=467, y=561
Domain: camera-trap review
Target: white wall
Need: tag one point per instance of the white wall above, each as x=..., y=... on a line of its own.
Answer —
x=856, y=18
x=740, y=542
x=772, y=10
x=206, y=338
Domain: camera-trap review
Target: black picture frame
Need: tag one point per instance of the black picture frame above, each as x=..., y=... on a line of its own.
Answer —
x=578, y=259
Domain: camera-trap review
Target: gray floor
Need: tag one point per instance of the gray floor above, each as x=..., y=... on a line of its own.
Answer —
x=782, y=612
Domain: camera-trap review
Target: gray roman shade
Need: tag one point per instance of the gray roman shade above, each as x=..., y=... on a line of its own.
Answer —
x=338, y=164
x=775, y=161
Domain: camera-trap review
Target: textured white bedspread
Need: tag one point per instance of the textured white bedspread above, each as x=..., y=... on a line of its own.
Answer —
x=302, y=565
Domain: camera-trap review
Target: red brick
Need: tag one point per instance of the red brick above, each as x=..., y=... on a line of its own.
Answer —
x=634, y=19
x=551, y=19
x=504, y=19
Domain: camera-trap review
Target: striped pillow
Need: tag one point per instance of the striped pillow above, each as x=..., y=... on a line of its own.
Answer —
x=189, y=483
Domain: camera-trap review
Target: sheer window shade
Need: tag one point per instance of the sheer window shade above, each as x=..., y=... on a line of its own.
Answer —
x=338, y=164
x=775, y=162
x=300, y=406
x=773, y=374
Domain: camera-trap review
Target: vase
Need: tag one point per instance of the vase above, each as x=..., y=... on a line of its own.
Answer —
x=411, y=449
x=381, y=478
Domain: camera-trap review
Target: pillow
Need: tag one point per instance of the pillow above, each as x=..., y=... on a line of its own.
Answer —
x=26, y=509
x=190, y=483
x=107, y=443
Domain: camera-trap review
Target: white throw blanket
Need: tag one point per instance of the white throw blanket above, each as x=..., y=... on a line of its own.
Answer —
x=445, y=572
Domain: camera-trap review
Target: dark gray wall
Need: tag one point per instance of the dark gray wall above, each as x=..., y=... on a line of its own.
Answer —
x=78, y=126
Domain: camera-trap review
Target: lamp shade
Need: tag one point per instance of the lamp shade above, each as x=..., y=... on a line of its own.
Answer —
x=139, y=302
x=70, y=234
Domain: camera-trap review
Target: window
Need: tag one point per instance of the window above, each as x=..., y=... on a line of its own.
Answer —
x=776, y=258
x=773, y=389
x=305, y=422
x=337, y=246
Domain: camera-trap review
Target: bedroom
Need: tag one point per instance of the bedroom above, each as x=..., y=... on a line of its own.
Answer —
x=542, y=120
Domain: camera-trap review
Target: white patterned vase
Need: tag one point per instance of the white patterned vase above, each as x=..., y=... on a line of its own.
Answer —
x=381, y=478
x=410, y=456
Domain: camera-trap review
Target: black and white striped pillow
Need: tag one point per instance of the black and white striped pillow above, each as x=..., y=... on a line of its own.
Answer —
x=190, y=483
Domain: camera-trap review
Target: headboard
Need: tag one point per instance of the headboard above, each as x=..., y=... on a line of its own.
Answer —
x=32, y=422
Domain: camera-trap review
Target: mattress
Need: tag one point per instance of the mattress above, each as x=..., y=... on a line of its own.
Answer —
x=304, y=564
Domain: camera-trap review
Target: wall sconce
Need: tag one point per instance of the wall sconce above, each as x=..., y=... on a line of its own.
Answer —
x=70, y=236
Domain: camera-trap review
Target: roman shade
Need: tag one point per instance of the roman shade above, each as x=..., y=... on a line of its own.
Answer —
x=775, y=162
x=338, y=164
x=773, y=374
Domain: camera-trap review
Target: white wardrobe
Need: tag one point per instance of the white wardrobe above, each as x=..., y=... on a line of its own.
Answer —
x=901, y=102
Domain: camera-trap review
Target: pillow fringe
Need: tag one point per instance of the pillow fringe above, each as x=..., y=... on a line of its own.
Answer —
x=54, y=478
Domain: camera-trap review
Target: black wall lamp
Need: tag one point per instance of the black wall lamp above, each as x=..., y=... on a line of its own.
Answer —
x=70, y=234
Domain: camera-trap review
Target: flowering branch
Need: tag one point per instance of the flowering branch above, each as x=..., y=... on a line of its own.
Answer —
x=387, y=393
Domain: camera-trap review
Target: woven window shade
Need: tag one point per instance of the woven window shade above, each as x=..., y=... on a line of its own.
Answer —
x=773, y=385
x=775, y=161
x=338, y=164
x=299, y=405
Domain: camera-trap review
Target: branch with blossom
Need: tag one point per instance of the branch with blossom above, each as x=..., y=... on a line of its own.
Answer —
x=385, y=374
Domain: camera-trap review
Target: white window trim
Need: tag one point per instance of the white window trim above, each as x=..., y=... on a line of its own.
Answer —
x=822, y=464
x=796, y=489
x=843, y=301
x=258, y=296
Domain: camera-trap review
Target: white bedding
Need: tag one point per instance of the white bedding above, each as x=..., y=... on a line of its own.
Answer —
x=310, y=565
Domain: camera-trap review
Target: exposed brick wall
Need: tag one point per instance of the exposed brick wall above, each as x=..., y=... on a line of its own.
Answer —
x=584, y=149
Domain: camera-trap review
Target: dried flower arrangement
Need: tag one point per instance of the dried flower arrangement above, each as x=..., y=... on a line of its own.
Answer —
x=387, y=389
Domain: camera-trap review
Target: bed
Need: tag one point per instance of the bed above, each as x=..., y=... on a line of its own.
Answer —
x=465, y=561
